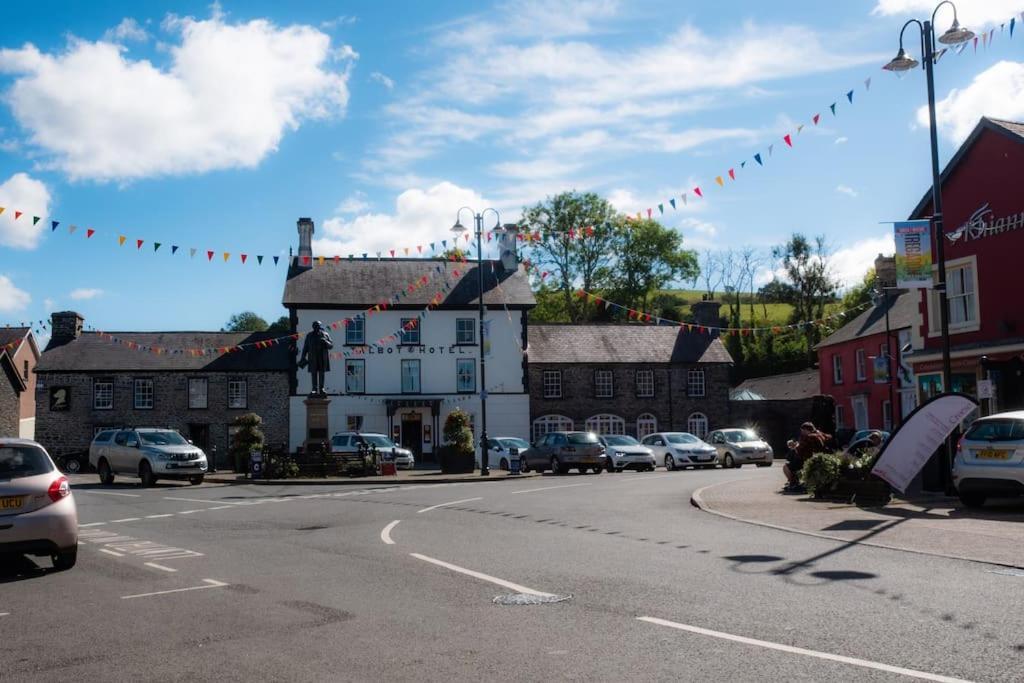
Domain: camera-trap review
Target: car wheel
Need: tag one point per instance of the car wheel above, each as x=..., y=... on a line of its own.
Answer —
x=598, y=470
x=72, y=465
x=556, y=467
x=583, y=470
x=973, y=500
x=524, y=466
x=146, y=474
x=670, y=463
x=503, y=465
x=65, y=559
x=106, y=476
x=196, y=480
x=729, y=462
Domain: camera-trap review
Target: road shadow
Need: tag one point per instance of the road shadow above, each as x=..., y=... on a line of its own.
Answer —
x=14, y=567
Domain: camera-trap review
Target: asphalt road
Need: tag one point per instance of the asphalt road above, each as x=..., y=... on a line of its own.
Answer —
x=396, y=583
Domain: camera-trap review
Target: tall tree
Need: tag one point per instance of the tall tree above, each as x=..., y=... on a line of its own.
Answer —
x=807, y=267
x=710, y=272
x=246, y=321
x=649, y=257
x=281, y=325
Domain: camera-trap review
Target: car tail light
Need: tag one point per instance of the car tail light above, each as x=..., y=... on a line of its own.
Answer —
x=60, y=488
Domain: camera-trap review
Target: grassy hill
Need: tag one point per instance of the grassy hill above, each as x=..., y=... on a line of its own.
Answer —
x=765, y=315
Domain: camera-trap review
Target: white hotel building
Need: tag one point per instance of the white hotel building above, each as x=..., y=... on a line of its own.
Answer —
x=406, y=387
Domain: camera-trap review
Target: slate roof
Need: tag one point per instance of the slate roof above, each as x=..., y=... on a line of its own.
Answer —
x=903, y=312
x=364, y=283
x=609, y=343
x=93, y=353
x=12, y=334
x=785, y=387
x=10, y=370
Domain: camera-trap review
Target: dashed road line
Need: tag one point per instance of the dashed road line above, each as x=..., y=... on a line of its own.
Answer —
x=200, y=500
x=107, y=493
x=5, y=614
x=154, y=565
x=481, y=576
x=441, y=505
x=83, y=526
x=111, y=552
x=549, y=488
x=169, y=514
x=385, y=533
x=209, y=583
x=126, y=519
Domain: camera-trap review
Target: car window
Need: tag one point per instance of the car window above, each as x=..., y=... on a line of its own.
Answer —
x=23, y=461
x=582, y=438
x=121, y=439
x=620, y=441
x=163, y=437
x=740, y=435
x=682, y=438
x=378, y=441
x=515, y=443
x=559, y=440
x=103, y=437
x=339, y=441
x=493, y=444
x=996, y=430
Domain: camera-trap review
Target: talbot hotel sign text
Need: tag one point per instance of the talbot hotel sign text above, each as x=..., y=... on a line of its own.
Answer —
x=453, y=349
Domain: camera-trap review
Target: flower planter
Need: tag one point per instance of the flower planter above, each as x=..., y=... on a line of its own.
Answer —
x=456, y=463
x=871, y=491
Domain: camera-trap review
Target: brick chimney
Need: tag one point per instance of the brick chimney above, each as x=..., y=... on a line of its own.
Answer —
x=306, y=230
x=507, y=247
x=885, y=271
x=706, y=313
x=65, y=326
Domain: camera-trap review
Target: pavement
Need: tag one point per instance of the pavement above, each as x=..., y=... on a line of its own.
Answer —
x=931, y=525
x=415, y=476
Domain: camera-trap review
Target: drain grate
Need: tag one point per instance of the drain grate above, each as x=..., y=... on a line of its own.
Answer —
x=529, y=599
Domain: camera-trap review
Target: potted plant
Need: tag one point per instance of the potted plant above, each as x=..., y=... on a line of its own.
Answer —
x=247, y=439
x=859, y=485
x=821, y=473
x=457, y=456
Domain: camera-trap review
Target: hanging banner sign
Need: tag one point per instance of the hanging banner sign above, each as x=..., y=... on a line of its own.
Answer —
x=880, y=370
x=913, y=254
x=920, y=435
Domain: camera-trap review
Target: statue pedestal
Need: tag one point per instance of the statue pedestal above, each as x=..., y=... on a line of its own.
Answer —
x=317, y=428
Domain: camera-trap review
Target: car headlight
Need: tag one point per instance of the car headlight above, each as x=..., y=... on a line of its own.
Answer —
x=618, y=454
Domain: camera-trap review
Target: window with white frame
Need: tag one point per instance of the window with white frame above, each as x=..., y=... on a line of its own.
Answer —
x=103, y=394
x=862, y=365
x=606, y=424
x=645, y=383
x=603, y=384
x=837, y=369
x=840, y=417
x=697, y=424
x=143, y=394
x=411, y=376
x=550, y=423
x=198, y=393
x=961, y=298
x=695, y=383
x=465, y=330
x=410, y=331
x=465, y=373
x=552, y=380
x=887, y=415
x=646, y=424
x=355, y=331
x=355, y=376
x=238, y=393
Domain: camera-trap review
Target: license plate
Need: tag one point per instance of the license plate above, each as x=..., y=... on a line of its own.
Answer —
x=992, y=454
x=10, y=502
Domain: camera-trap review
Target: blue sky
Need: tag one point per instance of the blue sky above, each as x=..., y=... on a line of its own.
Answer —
x=216, y=127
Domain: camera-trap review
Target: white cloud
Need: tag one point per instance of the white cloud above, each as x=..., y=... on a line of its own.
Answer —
x=48, y=304
x=85, y=293
x=343, y=20
x=23, y=193
x=842, y=140
x=354, y=203
x=11, y=298
x=127, y=30
x=972, y=14
x=997, y=92
x=850, y=263
x=537, y=168
x=847, y=190
x=225, y=100
x=420, y=217
x=382, y=79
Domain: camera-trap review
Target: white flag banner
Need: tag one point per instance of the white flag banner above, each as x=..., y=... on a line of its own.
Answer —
x=920, y=435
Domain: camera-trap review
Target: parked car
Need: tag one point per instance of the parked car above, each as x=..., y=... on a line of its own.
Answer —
x=149, y=453
x=501, y=449
x=626, y=453
x=738, y=447
x=349, y=442
x=680, y=449
x=38, y=515
x=562, y=451
x=989, y=459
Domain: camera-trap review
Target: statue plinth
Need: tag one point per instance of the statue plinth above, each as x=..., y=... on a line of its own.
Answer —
x=317, y=428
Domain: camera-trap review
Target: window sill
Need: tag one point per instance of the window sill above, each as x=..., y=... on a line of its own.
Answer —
x=963, y=329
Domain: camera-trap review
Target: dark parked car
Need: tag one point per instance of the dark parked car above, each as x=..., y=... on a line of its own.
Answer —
x=562, y=451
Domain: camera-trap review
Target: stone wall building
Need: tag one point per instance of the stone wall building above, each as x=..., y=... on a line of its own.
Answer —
x=12, y=387
x=88, y=381
x=628, y=379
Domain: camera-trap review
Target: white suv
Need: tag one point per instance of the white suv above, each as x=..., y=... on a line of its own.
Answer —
x=147, y=453
x=990, y=459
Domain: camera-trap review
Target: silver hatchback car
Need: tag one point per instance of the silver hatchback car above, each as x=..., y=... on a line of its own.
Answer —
x=38, y=515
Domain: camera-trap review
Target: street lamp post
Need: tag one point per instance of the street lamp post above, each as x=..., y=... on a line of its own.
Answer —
x=459, y=229
x=904, y=62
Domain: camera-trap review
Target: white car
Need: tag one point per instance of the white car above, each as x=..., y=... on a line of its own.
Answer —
x=738, y=447
x=349, y=442
x=681, y=449
x=626, y=453
x=148, y=453
x=501, y=449
x=989, y=459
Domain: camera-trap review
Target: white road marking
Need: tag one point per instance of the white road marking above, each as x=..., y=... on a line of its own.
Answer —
x=154, y=565
x=126, y=519
x=483, y=577
x=385, y=533
x=188, y=512
x=82, y=526
x=106, y=493
x=200, y=500
x=441, y=505
x=220, y=507
x=159, y=516
x=111, y=552
x=802, y=651
x=210, y=583
x=4, y=614
x=548, y=488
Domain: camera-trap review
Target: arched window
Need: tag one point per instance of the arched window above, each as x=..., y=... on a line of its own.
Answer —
x=646, y=424
x=697, y=424
x=606, y=424
x=550, y=423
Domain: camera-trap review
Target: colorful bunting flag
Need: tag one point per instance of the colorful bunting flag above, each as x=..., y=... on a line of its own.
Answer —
x=53, y=225
x=174, y=249
x=192, y=252
x=799, y=129
x=867, y=83
x=770, y=148
x=35, y=219
x=209, y=255
x=683, y=196
x=757, y=158
x=17, y=215
x=833, y=108
x=276, y=258
x=671, y=201
x=718, y=179
x=816, y=118
x=788, y=139
x=649, y=212
x=243, y=258
x=661, y=209
x=89, y=233
x=121, y=240
x=732, y=173
x=156, y=245
x=697, y=192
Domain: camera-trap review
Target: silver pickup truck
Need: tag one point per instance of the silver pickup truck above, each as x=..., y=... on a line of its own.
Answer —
x=148, y=453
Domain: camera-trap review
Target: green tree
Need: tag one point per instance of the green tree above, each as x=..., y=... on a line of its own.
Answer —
x=649, y=256
x=807, y=268
x=457, y=434
x=281, y=326
x=777, y=292
x=863, y=293
x=246, y=321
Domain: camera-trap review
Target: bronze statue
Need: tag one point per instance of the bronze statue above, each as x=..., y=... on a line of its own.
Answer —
x=316, y=353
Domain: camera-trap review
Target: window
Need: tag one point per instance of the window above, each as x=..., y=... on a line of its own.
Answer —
x=197, y=393
x=465, y=331
x=354, y=423
x=550, y=423
x=411, y=331
x=887, y=415
x=143, y=394
x=355, y=331
x=646, y=424
x=697, y=424
x=103, y=395
x=552, y=384
x=238, y=393
x=410, y=376
x=862, y=365
x=837, y=369
x=606, y=424
x=860, y=412
x=465, y=372
x=962, y=298
x=645, y=383
x=695, y=383
x=355, y=376
x=603, y=385
x=840, y=417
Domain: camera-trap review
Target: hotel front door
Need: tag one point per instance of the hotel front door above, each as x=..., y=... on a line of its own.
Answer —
x=412, y=433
